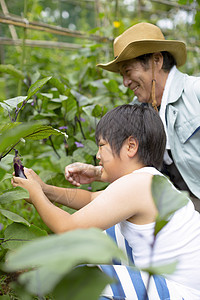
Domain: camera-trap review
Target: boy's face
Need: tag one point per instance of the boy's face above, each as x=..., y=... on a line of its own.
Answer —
x=110, y=162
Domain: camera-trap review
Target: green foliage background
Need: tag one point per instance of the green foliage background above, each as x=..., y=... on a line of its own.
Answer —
x=63, y=91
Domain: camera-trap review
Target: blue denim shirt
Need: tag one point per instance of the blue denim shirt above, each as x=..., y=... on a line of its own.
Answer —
x=183, y=127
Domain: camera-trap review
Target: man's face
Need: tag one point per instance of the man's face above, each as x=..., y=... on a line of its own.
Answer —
x=137, y=78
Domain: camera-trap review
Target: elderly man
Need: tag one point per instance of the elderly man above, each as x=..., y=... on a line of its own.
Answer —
x=148, y=64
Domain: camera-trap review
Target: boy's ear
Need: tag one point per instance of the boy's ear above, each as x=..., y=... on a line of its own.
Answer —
x=132, y=146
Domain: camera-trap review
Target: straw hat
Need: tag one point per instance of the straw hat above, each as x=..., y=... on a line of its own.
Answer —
x=141, y=39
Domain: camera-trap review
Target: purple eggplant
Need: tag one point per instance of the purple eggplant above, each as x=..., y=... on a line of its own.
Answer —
x=18, y=167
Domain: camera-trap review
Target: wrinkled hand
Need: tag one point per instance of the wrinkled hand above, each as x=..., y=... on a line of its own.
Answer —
x=80, y=173
x=32, y=184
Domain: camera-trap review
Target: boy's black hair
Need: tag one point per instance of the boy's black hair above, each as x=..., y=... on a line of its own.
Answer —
x=142, y=123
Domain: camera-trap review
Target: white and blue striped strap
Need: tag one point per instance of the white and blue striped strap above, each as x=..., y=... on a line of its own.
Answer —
x=131, y=284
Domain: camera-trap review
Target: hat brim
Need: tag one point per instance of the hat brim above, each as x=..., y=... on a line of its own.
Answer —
x=137, y=48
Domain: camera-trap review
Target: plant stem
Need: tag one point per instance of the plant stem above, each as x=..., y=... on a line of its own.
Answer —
x=23, y=49
x=54, y=149
x=81, y=128
x=3, y=155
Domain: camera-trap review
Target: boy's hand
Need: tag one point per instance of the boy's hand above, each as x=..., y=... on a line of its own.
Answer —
x=32, y=184
x=80, y=173
x=36, y=177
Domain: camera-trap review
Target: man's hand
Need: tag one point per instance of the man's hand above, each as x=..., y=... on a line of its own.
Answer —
x=80, y=173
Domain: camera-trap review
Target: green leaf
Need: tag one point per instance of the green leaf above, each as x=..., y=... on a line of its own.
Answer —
x=15, y=194
x=90, y=147
x=58, y=84
x=18, y=235
x=99, y=111
x=5, y=164
x=83, y=100
x=52, y=106
x=5, y=106
x=2, y=174
x=5, y=297
x=162, y=269
x=13, y=102
x=58, y=254
x=70, y=106
x=159, y=225
x=75, y=284
x=34, y=131
x=80, y=283
x=7, y=126
x=79, y=155
x=197, y=20
x=44, y=131
x=12, y=136
x=94, y=30
x=13, y=217
x=45, y=95
x=9, y=69
x=95, y=247
x=34, y=88
x=167, y=200
x=183, y=2
x=112, y=86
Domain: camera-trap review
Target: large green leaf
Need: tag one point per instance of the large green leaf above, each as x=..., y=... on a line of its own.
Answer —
x=56, y=255
x=34, y=88
x=9, y=138
x=82, y=283
x=12, y=136
x=77, y=282
x=167, y=200
x=17, y=193
x=13, y=217
x=7, y=126
x=44, y=131
x=75, y=247
x=18, y=234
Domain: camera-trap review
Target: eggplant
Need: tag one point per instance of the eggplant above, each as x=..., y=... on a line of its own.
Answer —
x=18, y=167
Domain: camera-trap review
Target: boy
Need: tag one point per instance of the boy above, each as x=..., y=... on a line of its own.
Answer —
x=131, y=140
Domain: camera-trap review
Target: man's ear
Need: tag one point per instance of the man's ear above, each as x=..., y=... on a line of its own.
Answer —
x=158, y=60
x=132, y=146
